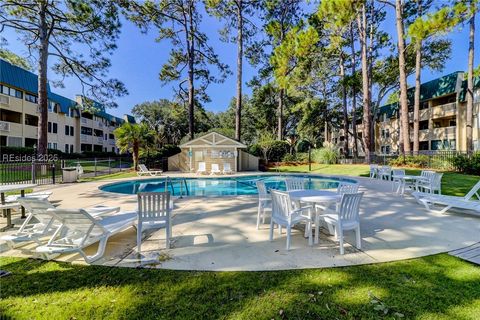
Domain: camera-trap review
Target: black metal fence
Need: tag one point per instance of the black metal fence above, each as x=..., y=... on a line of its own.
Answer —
x=435, y=159
x=38, y=172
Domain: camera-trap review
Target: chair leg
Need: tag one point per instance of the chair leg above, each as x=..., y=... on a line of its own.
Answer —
x=289, y=231
x=310, y=234
x=280, y=229
x=317, y=228
x=358, y=237
x=340, y=235
x=258, y=215
x=139, y=238
x=168, y=234
x=271, y=230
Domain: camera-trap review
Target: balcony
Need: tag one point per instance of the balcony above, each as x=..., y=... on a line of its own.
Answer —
x=99, y=140
x=443, y=133
x=4, y=100
x=111, y=142
x=85, y=138
x=4, y=126
x=444, y=110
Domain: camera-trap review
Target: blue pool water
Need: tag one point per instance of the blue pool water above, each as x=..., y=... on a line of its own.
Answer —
x=217, y=186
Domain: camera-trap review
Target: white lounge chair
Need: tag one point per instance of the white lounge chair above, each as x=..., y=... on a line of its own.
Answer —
x=346, y=218
x=467, y=202
x=144, y=171
x=227, y=168
x=264, y=202
x=40, y=224
x=153, y=212
x=79, y=230
x=38, y=195
x=202, y=168
x=295, y=184
x=215, y=169
x=284, y=214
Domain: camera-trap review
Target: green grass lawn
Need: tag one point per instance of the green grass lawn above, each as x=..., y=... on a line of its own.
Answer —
x=117, y=175
x=434, y=287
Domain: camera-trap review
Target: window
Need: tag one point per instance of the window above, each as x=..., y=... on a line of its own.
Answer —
x=385, y=133
x=71, y=148
x=71, y=131
x=423, y=145
x=111, y=136
x=452, y=123
x=423, y=125
x=436, y=144
x=105, y=138
x=15, y=141
x=424, y=105
x=55, y=145
x=437, y=124
x=87, y=131
x=385, y=149
x=49, y=145
x=113, y=149
x=67, y=130
x=49, y=126
x=6, y=90
x=31, y=98
x=55, y=128
x=66, y=148
x=342, y=138
x=31, y=120
x=19, y=94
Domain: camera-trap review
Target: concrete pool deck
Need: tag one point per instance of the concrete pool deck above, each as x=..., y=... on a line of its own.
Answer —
x=219, y=233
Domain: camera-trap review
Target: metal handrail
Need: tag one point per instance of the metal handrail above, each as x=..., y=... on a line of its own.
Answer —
x=169, y=180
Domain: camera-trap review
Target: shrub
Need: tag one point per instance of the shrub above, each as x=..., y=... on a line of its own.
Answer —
x=278, y=150
x=466, y=164
x=289, y=158
x=326, y=155
x=420, y=161
x=255, y=150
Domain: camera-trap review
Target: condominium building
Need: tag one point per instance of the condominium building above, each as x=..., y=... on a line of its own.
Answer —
x=71, y=126
x=442, y=118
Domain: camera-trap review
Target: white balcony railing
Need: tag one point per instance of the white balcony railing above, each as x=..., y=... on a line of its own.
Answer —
x=100, y=140
x=4, y=100
x=4, y=126
x=111, y=142
x=85, y=138
x=84, y=120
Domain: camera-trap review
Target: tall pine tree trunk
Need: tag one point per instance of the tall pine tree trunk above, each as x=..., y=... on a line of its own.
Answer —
x=42, y=81
x=344, y=104
x=405, y=138
x=416, y=106
x=354, y=96
x=238, y=110
x=191, y=64
x=471, y=44
x=280, y=114
x=367, y=116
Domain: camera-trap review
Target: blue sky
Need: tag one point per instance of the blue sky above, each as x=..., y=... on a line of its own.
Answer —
x=139, y=58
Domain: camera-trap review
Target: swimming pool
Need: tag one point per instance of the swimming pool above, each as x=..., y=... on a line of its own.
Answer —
x=217, y=186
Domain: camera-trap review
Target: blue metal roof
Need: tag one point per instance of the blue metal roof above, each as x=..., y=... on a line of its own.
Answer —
x=19, y=78
x=28, y=81
x=64, y=103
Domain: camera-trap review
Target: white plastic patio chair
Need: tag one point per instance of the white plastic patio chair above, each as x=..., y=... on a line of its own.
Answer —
x=432, y=185
x=264, y=202
x=39, y=224
x=295, y=184
x=384, y=172
x=144, y=171
x=227, y=168
x=467, y=202
x=283, y=214
x=215, y=169
x=154, y=211
x=346, y=218
x=79, y=229
x=342, y=188
x=373, y=171
x=397, y=180
x=202, y=168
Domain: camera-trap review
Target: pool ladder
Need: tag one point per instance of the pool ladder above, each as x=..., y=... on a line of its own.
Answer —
x=183, y=185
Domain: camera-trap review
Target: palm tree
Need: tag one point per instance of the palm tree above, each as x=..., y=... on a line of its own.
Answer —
x=132, y=138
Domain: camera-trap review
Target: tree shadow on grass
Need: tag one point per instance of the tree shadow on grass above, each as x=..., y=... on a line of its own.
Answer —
x=433, y=285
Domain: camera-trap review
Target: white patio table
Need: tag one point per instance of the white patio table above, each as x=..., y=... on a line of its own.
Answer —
x=407, y=178
x=313, y=197
x=8, y=188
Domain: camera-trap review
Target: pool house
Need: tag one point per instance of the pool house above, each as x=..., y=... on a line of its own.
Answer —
x=212, y=148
